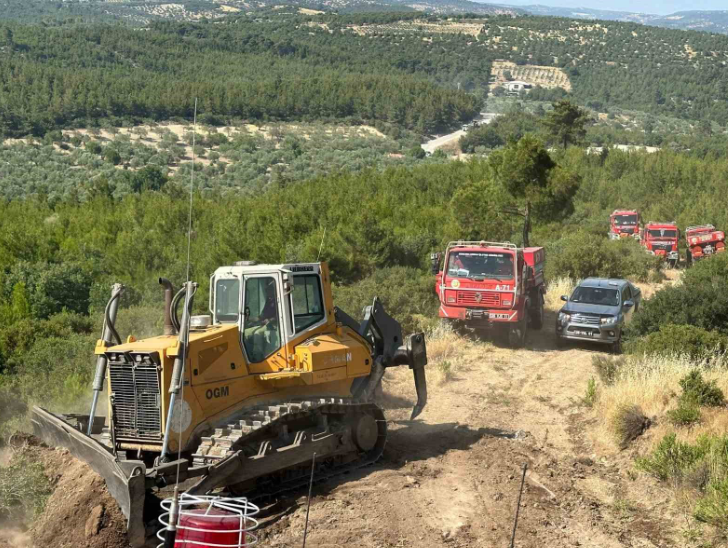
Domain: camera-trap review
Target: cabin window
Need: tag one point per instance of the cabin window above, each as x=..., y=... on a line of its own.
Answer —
x=261, y=331
x=308, y=306
x=227, y=300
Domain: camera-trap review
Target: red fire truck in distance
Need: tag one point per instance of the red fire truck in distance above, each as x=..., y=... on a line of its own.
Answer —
x=703, y=241
x=624, y=223
x=486, y=285
x=661, y=239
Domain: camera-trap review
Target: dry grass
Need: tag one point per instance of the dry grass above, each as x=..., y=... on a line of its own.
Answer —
x=448, y=355
x=556, y=288
x=652, y=384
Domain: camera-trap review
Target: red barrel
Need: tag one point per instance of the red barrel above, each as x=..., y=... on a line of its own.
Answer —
x=217, y=528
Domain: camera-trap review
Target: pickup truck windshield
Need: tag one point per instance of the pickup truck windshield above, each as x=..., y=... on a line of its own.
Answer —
x=472, y=264
x=662, y=233
x=595, y=295
x=625, y=219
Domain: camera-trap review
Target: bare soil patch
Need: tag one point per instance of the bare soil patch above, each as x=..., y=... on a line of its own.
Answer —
x=80, y=512
x=546, y=77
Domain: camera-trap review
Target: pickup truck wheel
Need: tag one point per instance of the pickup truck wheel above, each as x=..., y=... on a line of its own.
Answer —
x=537, y=314
x=617, y=346
x=560, y=342
x=517, y=335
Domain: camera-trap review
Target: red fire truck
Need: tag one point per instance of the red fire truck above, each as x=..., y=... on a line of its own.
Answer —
x=703, y=241
x=661, y=239
x=492, y=285
x=624, y=223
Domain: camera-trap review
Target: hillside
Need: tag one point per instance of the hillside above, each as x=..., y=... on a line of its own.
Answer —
x=708, y=21
x=143, y=12
x=392, y=69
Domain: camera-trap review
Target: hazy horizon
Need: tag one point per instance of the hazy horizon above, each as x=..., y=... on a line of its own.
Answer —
x=660, y=7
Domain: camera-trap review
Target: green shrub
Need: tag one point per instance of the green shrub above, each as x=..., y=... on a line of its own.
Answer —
x=404, y=292
x=685, y=414
x=24, y=489
x=702, y=466
x=590, y=397
x=703, y=306
x=672, y=459
x=445, y=368
x=695, y=342
x=608, y=367
x=713, y=507
x=51, y=288
x=711, y=271
x=699, y=392
x=18, y=337
x=581, y=254
x=56, y=372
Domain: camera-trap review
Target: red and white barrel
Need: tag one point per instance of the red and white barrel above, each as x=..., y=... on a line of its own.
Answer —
x=211, y=522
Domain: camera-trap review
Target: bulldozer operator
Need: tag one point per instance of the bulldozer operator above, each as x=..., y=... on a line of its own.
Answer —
x=262, y=336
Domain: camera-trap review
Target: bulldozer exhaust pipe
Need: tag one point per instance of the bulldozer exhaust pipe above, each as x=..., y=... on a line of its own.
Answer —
x=107, y=336
x=179, y=363
x=168, y=293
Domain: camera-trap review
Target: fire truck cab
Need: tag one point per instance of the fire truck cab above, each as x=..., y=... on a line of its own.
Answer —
x=624, y=223
x=661, y=239
x=484, y=285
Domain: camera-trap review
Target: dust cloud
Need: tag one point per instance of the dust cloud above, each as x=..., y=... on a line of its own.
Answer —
x=14, y=538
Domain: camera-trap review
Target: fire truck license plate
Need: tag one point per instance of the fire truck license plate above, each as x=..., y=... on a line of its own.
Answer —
x=494, y=316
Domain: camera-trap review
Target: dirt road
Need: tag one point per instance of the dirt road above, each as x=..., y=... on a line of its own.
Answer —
x=452, y=478
x=439, y=142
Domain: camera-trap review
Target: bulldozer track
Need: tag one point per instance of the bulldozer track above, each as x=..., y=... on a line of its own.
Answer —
x=262, y=424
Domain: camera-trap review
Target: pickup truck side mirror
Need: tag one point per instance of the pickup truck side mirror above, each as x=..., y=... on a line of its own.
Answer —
x=628, y=304
x=564, y=298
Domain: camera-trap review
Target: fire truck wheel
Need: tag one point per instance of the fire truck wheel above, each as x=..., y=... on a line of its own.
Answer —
x=537, y=314
x=517, y=335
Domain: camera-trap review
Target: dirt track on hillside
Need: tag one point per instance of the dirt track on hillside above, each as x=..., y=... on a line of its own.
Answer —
x=452, y=478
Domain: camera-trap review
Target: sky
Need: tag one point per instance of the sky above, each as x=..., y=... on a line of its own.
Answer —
x=661, y=7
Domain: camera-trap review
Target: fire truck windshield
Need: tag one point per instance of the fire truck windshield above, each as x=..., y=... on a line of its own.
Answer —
x=625, y=219
x=472, y=264
x=662, y=233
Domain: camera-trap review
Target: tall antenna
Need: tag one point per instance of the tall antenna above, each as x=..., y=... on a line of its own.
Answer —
x=192, y=187
x=321, y=246
x=171, y=533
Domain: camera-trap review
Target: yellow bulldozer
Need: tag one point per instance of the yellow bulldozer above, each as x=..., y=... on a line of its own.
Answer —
x=242, y=398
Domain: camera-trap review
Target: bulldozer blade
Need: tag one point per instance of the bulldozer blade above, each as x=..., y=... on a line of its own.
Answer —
x=125, y=480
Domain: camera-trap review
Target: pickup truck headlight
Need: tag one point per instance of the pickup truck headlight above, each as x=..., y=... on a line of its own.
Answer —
x=564, y=317
x=609, y=320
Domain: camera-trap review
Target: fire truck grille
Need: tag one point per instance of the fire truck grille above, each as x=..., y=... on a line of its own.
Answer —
x=479, y=298
x=136, y=400
x=661, y=247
